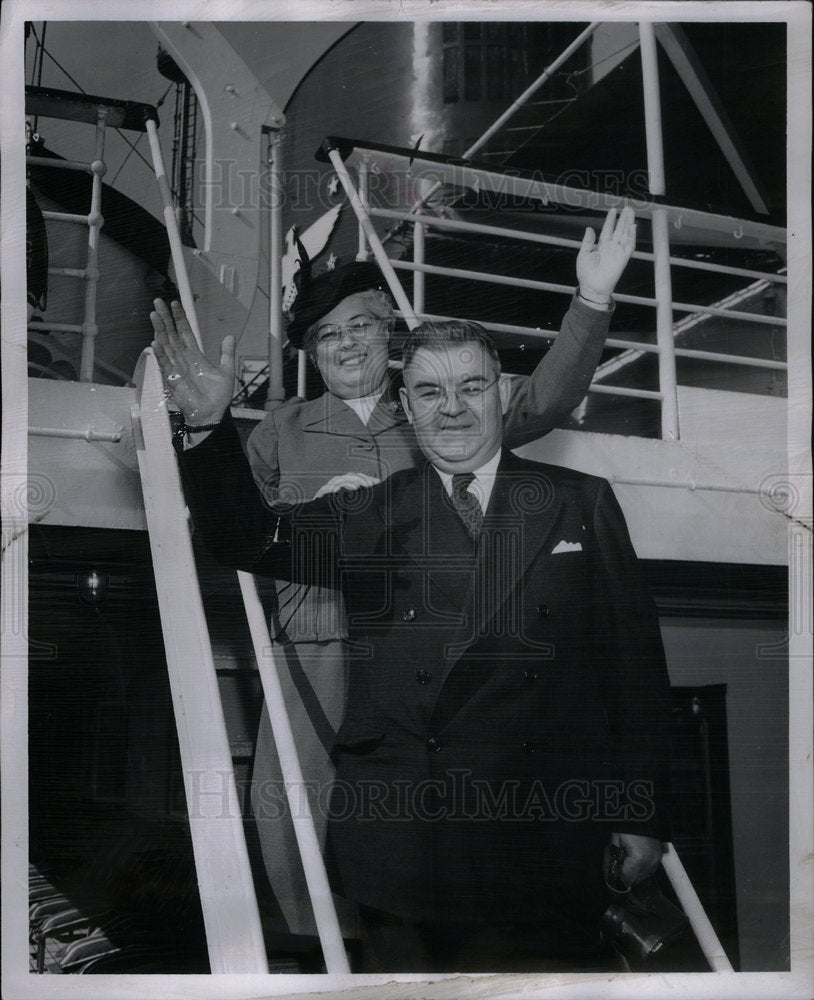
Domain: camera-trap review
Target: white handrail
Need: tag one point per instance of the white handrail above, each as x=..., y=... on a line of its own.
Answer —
x=319, y=891
x=173, y=234
x=464, y=175
x=438, y=222
x=234, y=933
x=316, y=878
x=691, y=905
x=549, y=286
x=384, y=262
x=95, y=223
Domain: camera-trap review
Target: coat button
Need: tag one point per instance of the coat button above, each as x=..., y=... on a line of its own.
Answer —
x=434, y=745
x=408, y=615
x=528, y=748
x=532, y=675
x=366, y=446
x=543, y=610
x=423, y=676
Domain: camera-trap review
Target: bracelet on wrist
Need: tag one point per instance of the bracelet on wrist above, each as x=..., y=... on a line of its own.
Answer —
x=594, y=302
x=181, y=429
x=194, y=428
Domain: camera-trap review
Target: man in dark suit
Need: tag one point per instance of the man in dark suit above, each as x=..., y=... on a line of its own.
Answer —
x=508, y=692
x=355, y=434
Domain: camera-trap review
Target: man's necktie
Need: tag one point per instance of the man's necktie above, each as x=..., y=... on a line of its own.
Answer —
x=467, y=505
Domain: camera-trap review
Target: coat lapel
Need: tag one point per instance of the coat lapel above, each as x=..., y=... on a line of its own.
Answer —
x=331, y=415
x=388, y=411
x=523, y=511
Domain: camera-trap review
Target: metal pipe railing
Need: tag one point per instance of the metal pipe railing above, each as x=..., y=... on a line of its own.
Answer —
x=173, y=235
x=661, y=237
x=363, y=252
x=732, y=359
x=548, y=286
x=534, y=332
x=463, y=175
x=384, y=262
x=37, y=324
x=275, y=393
x=633, y=347
x=95, y=223
x=75, y=217
x=68, y=272
x=46, y=161
x=457, y=225
x=88, y=434
x=620, y=390
x=301, y=373
x=419, y=232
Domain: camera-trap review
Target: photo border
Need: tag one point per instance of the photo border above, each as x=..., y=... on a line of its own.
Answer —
x=17, y=981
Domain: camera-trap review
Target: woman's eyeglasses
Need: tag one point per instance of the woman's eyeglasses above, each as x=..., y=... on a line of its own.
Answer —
x=358, y=329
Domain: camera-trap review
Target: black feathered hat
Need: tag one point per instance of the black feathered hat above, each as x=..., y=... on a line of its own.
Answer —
x=317, y=296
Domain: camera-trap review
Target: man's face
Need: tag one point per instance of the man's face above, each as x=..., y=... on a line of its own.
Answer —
x=350, y=349
x=455, y=400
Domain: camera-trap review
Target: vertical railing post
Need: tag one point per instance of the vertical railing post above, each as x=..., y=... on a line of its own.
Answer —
x=372, y=237
x=364, y=249
x=419, y=231
x=173, y=233
x=301, y=373
x=95, y=221
x=275, y=393
x=661, y=241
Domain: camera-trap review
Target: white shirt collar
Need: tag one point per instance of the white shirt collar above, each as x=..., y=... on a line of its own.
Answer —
x=481, y=486
x=363, y=406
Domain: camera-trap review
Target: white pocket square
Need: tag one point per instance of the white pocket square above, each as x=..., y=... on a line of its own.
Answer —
x=566, y=547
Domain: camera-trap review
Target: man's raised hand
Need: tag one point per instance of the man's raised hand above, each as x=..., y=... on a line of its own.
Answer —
x=600, y=263
x=201, y=391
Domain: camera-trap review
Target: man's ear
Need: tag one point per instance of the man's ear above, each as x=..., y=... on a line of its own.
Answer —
x=405, y=402
x=504, y=387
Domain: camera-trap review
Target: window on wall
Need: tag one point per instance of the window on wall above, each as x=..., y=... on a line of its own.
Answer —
x=496, y=61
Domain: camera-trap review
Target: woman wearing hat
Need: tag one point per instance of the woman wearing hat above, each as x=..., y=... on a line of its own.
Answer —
x=356, y=434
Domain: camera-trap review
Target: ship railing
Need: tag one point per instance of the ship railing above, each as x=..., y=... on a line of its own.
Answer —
x=103, y=113
x=697, y=227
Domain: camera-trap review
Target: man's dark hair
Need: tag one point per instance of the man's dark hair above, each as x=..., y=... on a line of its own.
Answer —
x=452, y=331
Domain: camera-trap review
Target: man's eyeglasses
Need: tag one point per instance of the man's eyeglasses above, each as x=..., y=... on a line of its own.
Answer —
x=469, y=393
x=358, y=329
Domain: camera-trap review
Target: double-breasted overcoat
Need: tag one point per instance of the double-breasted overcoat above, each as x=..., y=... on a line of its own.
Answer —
x=509, y=700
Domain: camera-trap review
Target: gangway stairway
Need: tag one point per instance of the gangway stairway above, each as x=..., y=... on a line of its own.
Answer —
x=231, y=917
x=202, y=735
x=188, y=652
